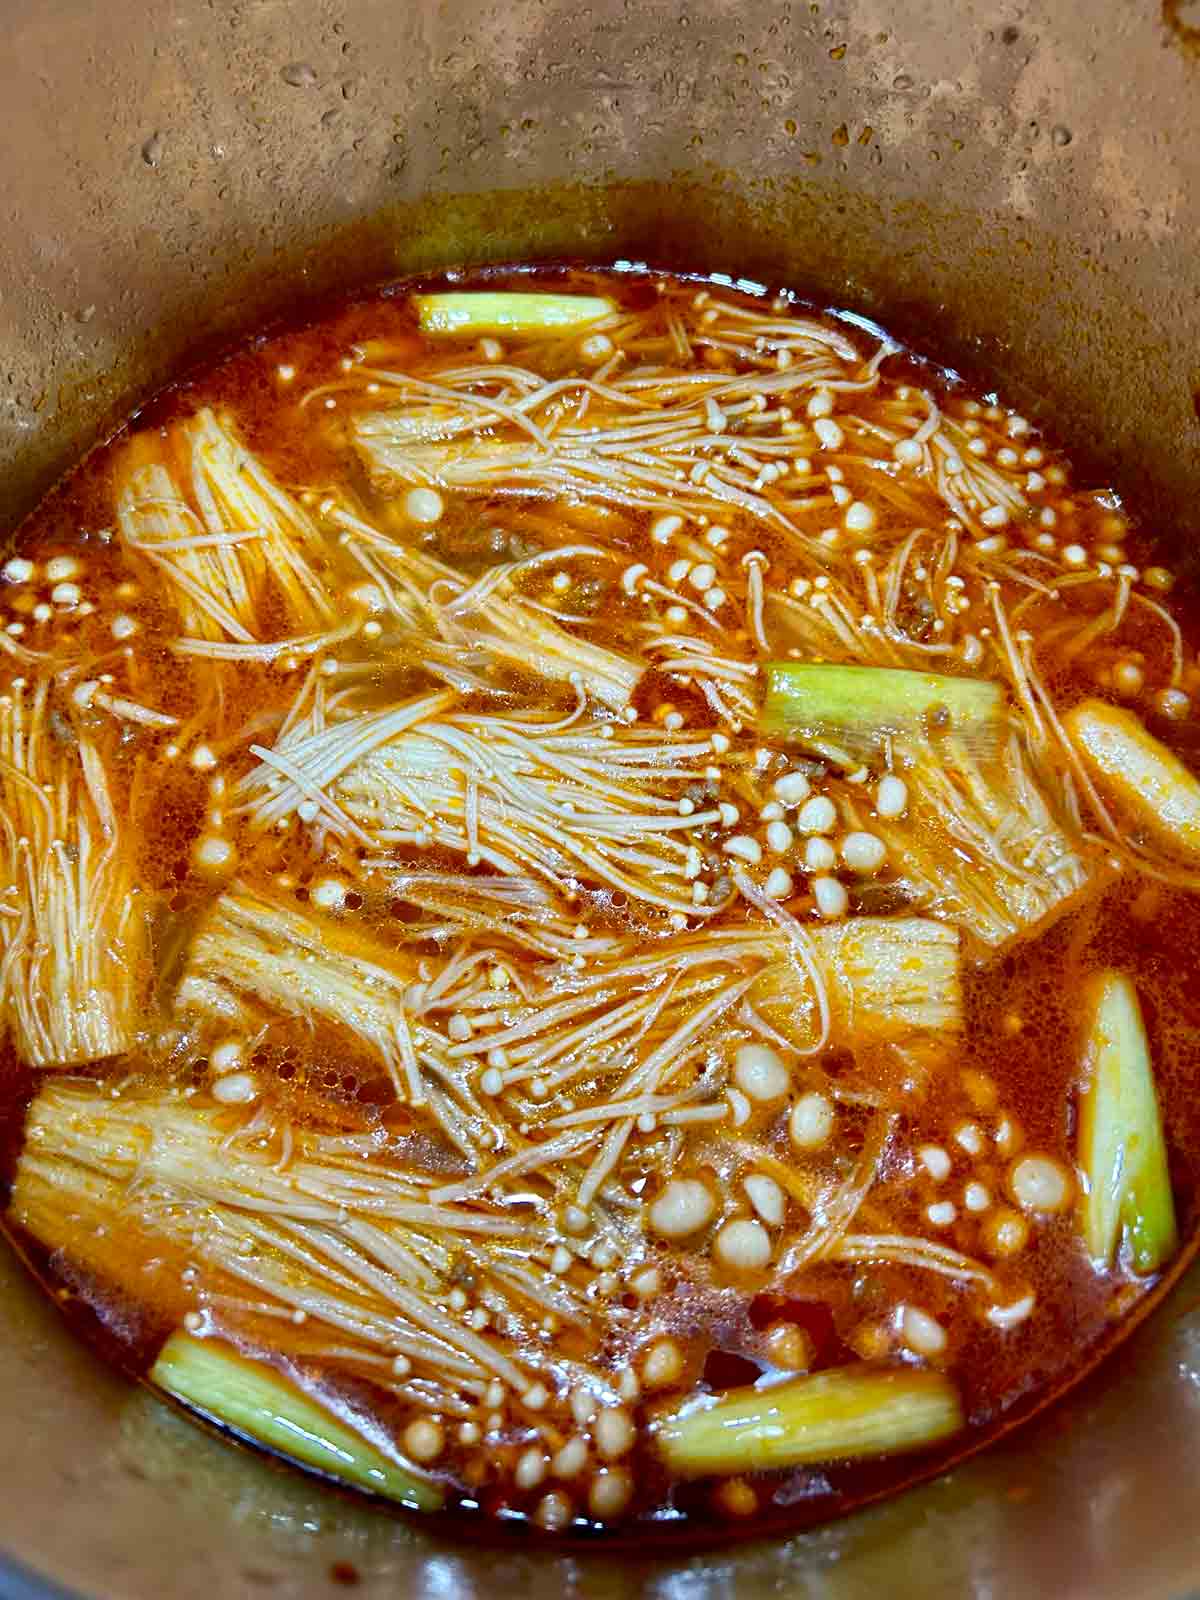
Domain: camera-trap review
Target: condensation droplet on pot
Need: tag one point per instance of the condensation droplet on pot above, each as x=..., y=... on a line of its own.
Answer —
x=1060, y=135
x=299, y=75
x=902, y=81
x=152, y=150
x=330, y=118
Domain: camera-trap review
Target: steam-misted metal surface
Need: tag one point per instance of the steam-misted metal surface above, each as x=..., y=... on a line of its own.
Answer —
x=1022, y=172
x=1020, y=181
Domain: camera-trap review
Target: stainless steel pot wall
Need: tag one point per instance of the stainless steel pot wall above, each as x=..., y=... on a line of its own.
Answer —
x=1014, y=183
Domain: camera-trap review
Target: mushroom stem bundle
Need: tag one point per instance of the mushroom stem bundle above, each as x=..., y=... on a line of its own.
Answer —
x=980, y=845
x=891, y=980
x=456, y=622
x=660, y=437
x=271, y=955
x=243, y=559
x=320, y=1245
x=597, y=802
x=73, y=936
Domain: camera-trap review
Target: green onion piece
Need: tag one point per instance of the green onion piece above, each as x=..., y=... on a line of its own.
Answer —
x=822, y=700
x=257, y=1401
x=841, y=1415
x=1121, y=1149
x=469, y=315
x=1145, y=780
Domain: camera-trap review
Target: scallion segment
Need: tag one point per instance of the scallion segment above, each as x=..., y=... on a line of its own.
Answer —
x=1136, y=772
x=1126, y=1198
x=259, y=1402
x=469, y=315
x=826, y=701
x=843, y=1415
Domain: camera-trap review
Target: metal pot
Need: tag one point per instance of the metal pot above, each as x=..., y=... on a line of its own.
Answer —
x=1015, y=188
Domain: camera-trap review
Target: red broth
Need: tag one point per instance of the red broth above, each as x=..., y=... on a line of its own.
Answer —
x=432, y=976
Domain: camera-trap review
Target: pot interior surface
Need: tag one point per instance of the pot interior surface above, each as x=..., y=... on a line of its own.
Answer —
x=1012, y=189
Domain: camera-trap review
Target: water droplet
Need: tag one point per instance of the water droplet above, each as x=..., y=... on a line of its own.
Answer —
x=789, y=126
x=1009, y=35
x=330, y=117
x=152, y=150
x=1060, y=135
x=838, y=52
x=841, y=135
x=902, y=81
x=299, y=74
x=1184, y=17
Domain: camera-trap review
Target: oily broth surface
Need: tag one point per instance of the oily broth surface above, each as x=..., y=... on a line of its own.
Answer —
x=1022, y=1022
